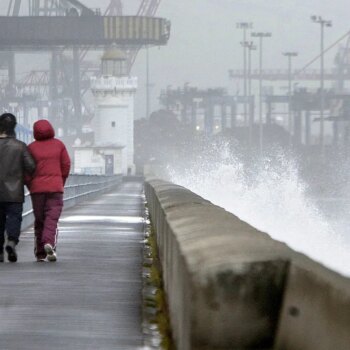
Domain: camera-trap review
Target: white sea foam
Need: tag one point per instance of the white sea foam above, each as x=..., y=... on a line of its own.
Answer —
x=271, y=197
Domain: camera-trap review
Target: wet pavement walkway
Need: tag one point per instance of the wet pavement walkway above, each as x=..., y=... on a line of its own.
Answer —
x=90, y=299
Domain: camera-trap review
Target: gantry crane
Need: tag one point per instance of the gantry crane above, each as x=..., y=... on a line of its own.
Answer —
x=89, y=29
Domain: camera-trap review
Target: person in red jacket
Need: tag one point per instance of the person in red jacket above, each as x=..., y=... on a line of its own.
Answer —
x=46, y=187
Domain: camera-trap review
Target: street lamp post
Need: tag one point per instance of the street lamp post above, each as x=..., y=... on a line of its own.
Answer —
x=244, y=26
x=323, y=23
x=251, y=47
x=290, y=55
x=261, y=36
x=148, y=100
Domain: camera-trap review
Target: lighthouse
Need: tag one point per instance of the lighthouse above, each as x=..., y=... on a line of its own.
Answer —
x=113, y=123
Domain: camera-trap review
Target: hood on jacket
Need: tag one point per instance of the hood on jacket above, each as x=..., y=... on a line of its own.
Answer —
x=43, y=130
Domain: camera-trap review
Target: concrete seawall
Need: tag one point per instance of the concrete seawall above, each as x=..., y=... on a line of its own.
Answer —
x=230, y=286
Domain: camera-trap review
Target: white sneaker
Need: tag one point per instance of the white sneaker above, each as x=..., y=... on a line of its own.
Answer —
x=51, y=254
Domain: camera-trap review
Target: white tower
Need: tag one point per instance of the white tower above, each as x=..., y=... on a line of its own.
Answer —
x=114, y=94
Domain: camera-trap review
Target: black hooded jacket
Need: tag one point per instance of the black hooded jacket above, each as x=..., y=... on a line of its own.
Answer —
x=15, y=162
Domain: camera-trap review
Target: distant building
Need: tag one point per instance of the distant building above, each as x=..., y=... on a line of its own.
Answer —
x=209, y=111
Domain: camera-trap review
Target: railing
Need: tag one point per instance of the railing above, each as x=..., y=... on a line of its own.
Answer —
x=77, y=189
x=282, y=74
x=111, y=83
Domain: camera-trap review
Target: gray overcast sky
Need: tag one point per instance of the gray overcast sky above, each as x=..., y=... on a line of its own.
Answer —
x=205, y=42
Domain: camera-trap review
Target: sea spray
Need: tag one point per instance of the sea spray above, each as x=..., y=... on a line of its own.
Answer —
x=269, y=195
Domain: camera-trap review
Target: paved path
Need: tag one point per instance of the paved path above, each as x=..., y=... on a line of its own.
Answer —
x=90, y=299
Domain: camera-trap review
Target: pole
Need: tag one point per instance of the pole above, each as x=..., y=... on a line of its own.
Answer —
x=147, y=84
x=290, y=98
x=244, y=26
x=53, y=88
x=249, y=71
x=245, y=73
x=290, y=55
x=77, y=90
x=260, y=97
x=251, y=47
x=261, y=35
x=322, y=91
x=12, y=72
x=250, y=94
x=322, y=22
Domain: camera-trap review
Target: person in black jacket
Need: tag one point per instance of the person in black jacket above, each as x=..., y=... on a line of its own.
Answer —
x=15, y=163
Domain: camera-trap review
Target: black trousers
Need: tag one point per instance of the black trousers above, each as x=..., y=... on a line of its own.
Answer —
x=10, y=221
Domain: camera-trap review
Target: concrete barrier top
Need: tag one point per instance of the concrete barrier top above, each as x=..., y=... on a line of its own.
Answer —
x=212, y=239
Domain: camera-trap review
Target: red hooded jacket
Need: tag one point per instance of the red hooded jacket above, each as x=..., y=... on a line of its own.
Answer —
x=51, y=158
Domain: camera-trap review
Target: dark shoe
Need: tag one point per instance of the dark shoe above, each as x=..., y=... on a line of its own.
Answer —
x=11, y=251
x=51, y=254
x=41, y=258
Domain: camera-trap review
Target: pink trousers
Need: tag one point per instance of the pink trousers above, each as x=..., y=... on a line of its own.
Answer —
x=47, y=209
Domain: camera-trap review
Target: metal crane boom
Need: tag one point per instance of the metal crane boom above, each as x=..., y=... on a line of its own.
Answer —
x=115, y=8
x=85, y=10
x=147, y=8
x=14, y=8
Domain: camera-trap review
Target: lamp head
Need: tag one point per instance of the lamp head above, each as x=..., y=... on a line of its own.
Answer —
x=244, y=25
